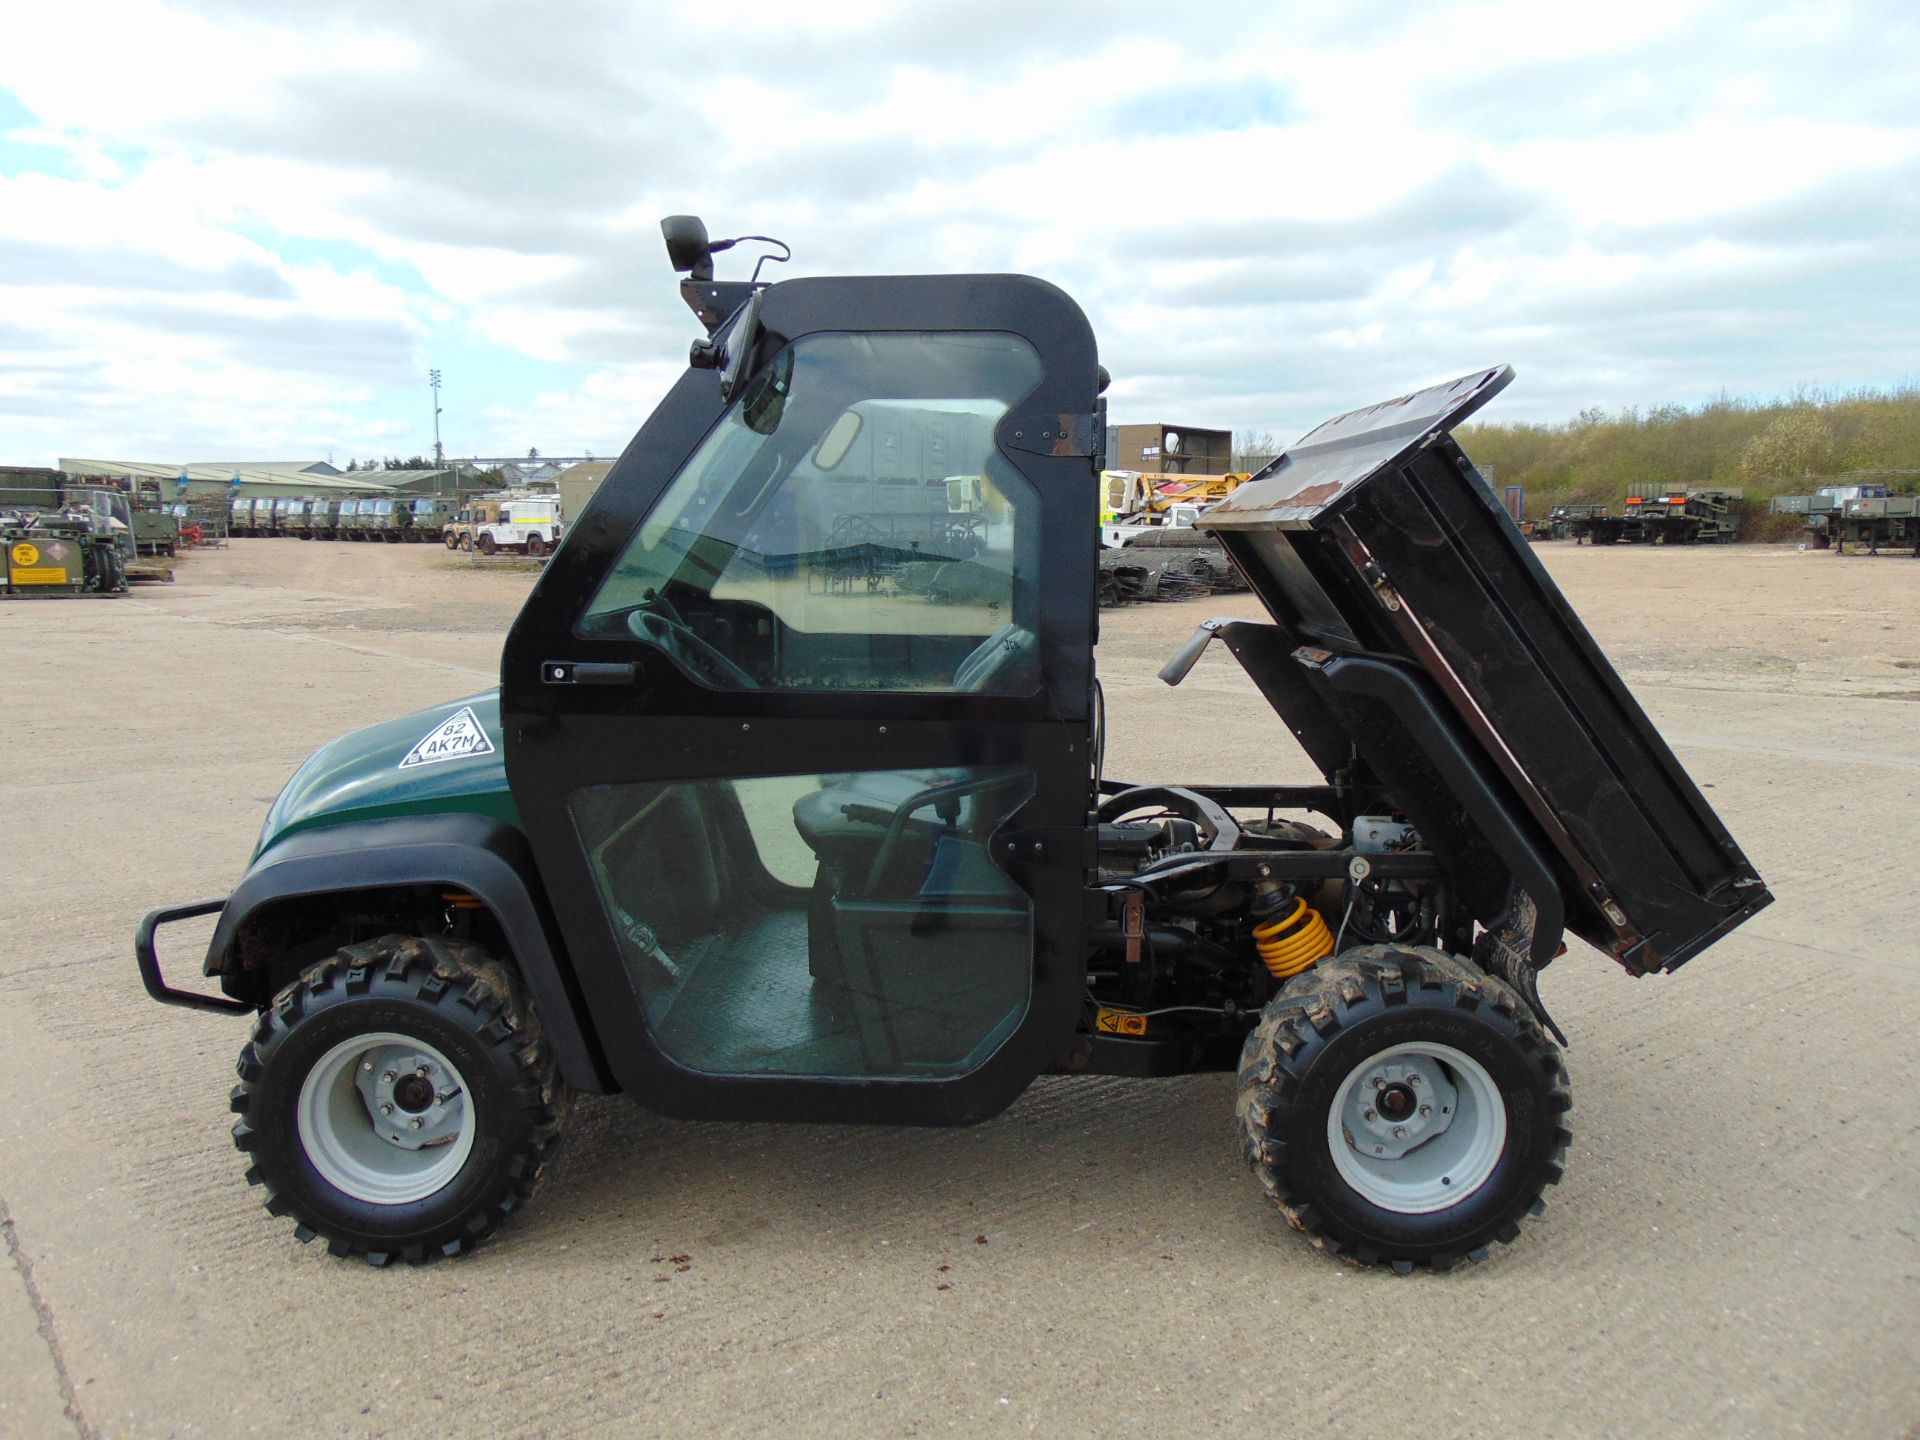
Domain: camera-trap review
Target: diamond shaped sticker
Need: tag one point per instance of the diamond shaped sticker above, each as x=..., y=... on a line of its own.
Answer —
x=455, y=738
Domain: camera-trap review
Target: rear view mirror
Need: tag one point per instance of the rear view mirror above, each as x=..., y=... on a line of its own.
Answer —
x=839, y=439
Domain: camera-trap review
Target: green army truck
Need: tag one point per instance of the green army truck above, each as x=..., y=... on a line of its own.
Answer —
x=285, y=507
x=429, y=516
x=384, y=522
x=356, y=517
x=323, y=519
x=746, y=842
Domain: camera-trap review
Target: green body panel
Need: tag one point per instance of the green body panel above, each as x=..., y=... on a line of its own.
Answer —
x=360, y=777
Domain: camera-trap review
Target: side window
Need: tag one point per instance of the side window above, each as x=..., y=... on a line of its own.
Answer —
x=850, y=924
x=849, y=524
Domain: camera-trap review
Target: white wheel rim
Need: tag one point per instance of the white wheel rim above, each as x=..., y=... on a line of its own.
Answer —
x=395, y=1157
x=1433, y=1156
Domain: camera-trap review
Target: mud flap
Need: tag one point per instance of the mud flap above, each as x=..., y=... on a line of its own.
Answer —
x=1505, y=952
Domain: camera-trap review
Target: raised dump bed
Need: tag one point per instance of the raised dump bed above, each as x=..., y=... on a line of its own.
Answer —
x=1417, y=618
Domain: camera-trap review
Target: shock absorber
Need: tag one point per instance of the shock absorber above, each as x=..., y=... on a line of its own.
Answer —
x=1288, y=932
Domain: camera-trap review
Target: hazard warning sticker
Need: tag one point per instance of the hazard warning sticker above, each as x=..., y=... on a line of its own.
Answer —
x=454, y=738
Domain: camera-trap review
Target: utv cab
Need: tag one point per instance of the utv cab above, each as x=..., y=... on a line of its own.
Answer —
x=790, y=806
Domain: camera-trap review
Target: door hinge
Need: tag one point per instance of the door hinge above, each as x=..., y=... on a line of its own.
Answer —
x=1053, y=434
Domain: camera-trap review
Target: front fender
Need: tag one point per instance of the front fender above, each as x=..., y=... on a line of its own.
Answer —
x=475, y=853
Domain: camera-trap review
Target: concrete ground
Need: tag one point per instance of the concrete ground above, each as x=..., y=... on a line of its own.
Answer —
x=1734, y=1250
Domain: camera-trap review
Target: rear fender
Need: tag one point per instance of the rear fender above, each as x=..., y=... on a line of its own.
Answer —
x=477, y=854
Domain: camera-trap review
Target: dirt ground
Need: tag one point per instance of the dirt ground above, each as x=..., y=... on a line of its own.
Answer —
x=1734, y=1250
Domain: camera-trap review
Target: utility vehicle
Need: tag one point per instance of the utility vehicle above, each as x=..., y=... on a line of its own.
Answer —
x=775, y=818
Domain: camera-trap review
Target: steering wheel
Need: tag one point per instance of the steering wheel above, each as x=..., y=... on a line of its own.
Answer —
x=678, y=639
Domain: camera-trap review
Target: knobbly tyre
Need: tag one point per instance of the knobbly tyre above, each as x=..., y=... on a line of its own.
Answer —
x=761, y=824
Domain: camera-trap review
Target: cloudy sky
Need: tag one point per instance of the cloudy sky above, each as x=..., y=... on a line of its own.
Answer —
x=248, y=231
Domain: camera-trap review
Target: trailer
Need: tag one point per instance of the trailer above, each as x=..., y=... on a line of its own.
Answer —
x=1658, y=516
x=1876, y=523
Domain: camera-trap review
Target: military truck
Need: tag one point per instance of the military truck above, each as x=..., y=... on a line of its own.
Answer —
x=748, y=843
x=356, y=517
x=388, y=519
x=429, y=516
x=156, y=531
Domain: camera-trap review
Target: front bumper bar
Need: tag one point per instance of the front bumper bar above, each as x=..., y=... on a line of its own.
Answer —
x=149, y=959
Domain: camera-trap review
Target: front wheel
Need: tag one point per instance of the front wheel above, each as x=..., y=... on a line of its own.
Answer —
x=1402, y=1108
x=397, y=1100
x=488, y=546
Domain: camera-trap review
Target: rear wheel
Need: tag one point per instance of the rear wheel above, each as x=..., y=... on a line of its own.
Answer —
x=1402, y=1108
x=397, y=1100
x=536, y=546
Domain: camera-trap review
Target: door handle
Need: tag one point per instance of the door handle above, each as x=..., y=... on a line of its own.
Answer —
x=588, y=672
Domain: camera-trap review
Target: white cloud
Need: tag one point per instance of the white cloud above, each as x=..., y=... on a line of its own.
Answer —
x=256, y=228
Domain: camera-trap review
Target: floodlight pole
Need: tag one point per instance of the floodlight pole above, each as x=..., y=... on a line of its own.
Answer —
x=439, y=455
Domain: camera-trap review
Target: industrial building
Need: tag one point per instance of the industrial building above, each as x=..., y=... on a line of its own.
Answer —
x=1171, y=449
x=201, y=480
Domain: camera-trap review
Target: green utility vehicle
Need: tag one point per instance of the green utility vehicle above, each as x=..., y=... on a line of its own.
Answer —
x=758, y=827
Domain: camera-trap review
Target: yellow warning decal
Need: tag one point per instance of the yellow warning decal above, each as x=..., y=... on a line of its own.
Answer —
x=25, y=554
x=45, y=575
x=1120, y=1022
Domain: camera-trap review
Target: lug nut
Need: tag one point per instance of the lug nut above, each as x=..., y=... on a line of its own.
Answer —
x=366, y=1064
x=386, y=1109
x=1371, y=1116
x=1426, y=1111
x=1413, y=1078
x=1379, y=1082
x=415, y=1123
x=1399, y=1132
x=390, y=1077
x=421, y=1071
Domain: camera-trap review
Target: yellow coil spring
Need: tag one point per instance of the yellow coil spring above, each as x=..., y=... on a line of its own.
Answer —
x=1291, y=945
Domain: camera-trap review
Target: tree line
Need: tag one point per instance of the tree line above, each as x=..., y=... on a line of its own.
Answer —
x=1764, y=448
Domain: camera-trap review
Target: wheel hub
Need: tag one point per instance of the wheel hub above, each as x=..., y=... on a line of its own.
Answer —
x=1401, y=1102
x=411, y=1099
